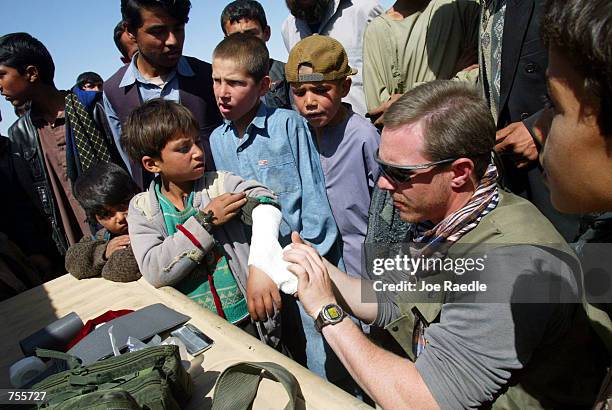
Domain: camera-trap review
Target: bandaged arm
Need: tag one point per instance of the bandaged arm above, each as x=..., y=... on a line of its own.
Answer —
x=266, y=253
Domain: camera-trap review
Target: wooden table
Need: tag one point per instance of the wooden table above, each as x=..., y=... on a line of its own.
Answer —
x=23, y=314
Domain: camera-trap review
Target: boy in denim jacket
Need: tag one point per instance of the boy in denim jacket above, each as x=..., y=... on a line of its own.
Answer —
x=274, y=146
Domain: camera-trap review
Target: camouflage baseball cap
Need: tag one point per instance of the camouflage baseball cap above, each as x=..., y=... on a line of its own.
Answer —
x=324, y=54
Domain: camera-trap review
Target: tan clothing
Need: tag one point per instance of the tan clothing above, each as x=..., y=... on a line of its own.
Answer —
x=425, y=46
x=53, y=144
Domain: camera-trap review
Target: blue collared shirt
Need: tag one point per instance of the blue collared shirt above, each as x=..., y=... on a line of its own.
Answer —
x=147, y=90
x=278, y=151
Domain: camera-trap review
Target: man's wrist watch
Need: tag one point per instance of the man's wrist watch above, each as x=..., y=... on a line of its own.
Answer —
x=206, y=219
x=330, y=314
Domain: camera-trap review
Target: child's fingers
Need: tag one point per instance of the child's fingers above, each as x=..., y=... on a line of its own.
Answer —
x=235, y=206
x=255, y=307
x=119, y=241
x=269, y=305
x=230, y=215
x=260, y=309
x=276, y=297
x=228, y=198
x=251, y=308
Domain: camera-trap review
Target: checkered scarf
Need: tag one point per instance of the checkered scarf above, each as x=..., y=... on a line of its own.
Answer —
x=90, y=144
x=454, y=226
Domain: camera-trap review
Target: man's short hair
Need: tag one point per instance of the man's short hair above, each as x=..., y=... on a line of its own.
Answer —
x=149, y=127
x=581, y=31
x=117, y=33
x=130, y=10
x=88, y=77
x=243, y=9
x=103, y=186
x=247, y=51
x=19, y=50
x=456, y=121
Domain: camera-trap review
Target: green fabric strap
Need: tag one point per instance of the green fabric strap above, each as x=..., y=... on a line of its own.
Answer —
x=246, y=212
x=72, y=361
x=237, y=386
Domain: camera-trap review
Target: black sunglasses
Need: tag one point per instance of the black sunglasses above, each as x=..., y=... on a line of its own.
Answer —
x=400, y=174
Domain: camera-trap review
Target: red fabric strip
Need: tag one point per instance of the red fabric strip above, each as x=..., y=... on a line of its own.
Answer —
x=190, y=236
x=213, y=290
x=216, y=297
x=90, y=325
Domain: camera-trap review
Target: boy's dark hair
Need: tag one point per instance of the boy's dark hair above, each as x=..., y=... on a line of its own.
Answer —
x=130, y=10
x=243, y=9
x=88, y=77
x=103, y=186
x=312, y=14
x=117, y=33
x=19, y=50
x=149, y=127
x=248, y=51
x=582, y=32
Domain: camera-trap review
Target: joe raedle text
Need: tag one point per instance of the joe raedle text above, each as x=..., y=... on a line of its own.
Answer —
x=423, y=286
x=404, y=273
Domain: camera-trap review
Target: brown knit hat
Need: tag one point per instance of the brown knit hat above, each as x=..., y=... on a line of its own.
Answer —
x=326, y=56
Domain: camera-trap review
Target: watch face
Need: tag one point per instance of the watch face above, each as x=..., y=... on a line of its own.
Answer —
x=332, y=312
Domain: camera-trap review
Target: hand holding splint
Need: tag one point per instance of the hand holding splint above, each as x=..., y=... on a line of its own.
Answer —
x=315, y=288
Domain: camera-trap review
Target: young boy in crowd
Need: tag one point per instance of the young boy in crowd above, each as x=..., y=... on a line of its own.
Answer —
x=38, y=139
x=187, y=229
x=273, y=146
x=126, y=45
x=248, y=16
x=318, y=72
x=90, y=81
x=104, y=191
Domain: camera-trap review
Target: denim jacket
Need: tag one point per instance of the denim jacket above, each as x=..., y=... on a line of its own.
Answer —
x=277, y=150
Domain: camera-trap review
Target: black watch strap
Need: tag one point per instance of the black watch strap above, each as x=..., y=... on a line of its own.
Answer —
x=205, y=219
x=330, y=314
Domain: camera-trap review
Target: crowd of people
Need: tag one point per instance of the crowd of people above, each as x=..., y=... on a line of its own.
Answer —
x=260, y=189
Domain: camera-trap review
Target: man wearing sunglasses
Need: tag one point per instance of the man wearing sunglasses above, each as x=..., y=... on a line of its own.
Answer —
x=511, y=345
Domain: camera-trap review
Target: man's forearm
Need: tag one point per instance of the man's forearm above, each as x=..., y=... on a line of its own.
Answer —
x=349, y=293
x=393, y=382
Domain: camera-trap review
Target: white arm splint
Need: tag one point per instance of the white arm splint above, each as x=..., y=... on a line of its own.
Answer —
x=266, y=253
